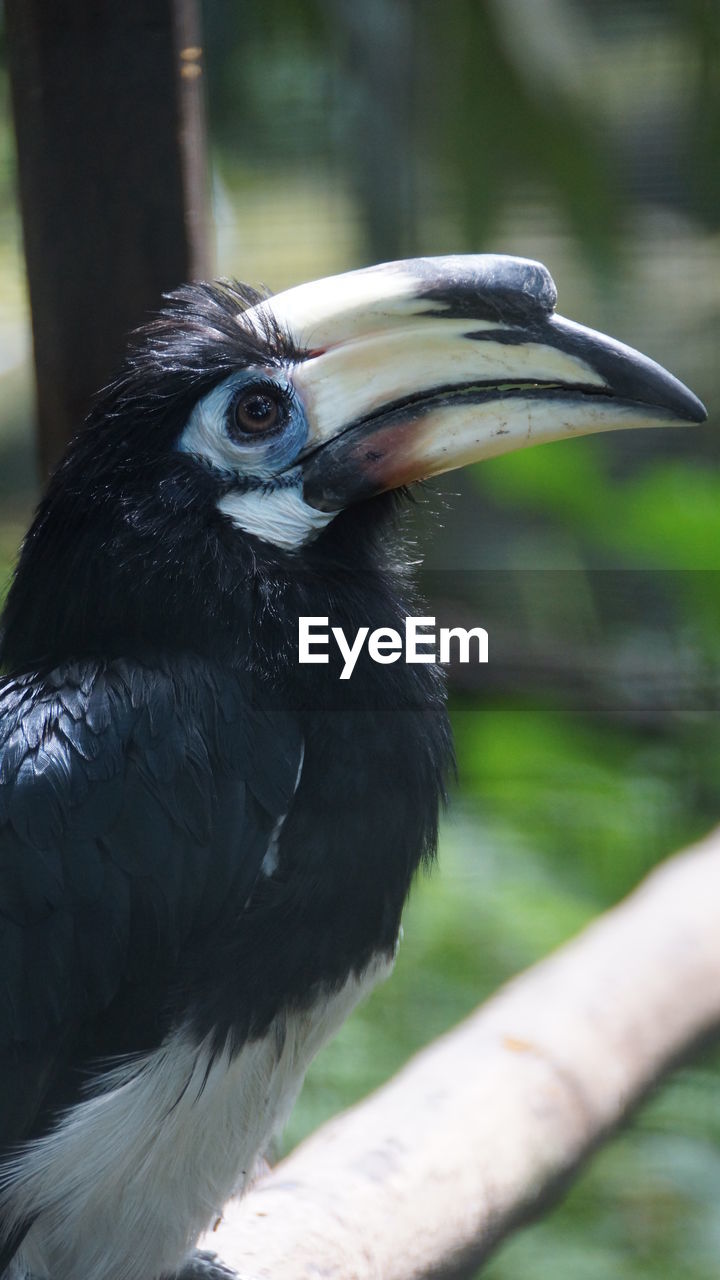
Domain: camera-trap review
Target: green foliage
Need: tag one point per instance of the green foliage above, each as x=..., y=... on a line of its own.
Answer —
x=461, y=111
x=665, y=515
x=700, y=20
x=498, y=115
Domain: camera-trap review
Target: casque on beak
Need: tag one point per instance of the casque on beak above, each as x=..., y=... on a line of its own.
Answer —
x=417, y=367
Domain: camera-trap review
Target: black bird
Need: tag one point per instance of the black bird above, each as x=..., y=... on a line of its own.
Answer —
x=205, y=845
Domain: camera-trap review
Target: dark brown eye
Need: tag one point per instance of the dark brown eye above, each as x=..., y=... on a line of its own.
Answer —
x=258, y=409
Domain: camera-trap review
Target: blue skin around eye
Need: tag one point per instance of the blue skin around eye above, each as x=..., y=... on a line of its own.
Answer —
x=263, y=457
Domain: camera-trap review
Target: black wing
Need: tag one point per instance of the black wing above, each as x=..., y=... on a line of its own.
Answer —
x=135, y=802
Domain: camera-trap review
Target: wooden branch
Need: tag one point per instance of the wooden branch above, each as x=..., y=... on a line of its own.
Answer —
x=426, y=1176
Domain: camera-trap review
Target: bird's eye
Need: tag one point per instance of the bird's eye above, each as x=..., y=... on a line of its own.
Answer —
x=258, y=409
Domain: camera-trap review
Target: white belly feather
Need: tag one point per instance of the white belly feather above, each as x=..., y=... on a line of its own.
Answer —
x=128, y=1179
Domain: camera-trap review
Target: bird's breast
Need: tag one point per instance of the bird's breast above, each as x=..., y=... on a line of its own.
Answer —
x=165, y=1140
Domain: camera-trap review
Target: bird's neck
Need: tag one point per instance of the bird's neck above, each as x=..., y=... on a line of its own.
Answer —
x=91, y=584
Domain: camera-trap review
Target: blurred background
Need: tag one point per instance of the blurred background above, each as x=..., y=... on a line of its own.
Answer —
x=585, y=133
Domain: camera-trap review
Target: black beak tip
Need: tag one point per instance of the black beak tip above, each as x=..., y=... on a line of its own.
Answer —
x=696, y=409
x=683, y=403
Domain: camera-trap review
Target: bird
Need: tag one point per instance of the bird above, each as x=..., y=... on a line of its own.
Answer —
x=205, y=844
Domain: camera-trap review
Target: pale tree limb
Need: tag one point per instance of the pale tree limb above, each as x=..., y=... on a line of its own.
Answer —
x=427, y=1175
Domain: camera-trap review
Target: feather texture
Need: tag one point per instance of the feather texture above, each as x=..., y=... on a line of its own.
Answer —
x=112, y=861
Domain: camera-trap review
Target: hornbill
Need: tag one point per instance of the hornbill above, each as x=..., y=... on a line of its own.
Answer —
x=205, y=846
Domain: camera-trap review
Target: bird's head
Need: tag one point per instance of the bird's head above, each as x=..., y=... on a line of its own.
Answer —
x=252, y=439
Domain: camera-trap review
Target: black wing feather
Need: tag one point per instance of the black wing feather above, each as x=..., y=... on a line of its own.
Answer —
x=135, y=801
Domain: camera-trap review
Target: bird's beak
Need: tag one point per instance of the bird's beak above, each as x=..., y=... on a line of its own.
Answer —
x=417, y=367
